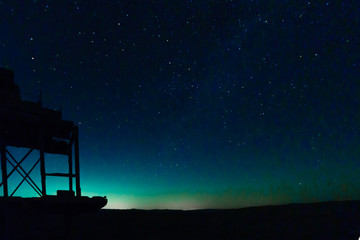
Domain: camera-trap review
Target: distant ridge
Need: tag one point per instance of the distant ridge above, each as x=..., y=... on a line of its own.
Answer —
x=323, y=203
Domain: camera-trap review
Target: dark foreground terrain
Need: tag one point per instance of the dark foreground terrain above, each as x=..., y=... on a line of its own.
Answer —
x=331, y=220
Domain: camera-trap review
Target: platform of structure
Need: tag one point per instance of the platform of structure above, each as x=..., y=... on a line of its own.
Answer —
x=51, y=204
x=25, y=124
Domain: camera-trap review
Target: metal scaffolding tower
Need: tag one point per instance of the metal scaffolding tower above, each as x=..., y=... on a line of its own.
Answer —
x=26, y=124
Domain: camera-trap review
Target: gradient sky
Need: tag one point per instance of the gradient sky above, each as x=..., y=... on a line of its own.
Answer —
x=197, y=104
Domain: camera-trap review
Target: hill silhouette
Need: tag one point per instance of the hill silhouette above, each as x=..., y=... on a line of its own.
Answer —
x=327, y=220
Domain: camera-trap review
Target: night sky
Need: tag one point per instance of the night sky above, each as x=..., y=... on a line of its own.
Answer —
x=197, y=104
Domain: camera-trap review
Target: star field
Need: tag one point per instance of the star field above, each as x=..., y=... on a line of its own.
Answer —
x=198, y=104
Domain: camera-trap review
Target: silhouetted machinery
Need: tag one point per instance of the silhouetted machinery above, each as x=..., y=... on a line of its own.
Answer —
x=28, y=125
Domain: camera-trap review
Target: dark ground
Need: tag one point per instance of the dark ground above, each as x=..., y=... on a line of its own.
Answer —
x=330, y=220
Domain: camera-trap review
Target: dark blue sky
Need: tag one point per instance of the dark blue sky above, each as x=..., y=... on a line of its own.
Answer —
x=194, y=104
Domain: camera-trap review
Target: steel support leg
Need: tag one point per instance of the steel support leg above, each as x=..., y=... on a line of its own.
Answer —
x=77, y=164
x=4, y=170
x=42, y=162
x=71, y=164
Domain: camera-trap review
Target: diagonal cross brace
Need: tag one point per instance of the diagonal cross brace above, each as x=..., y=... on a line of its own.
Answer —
x=15, y=168
x=17, y=165
x=31, y=183
x=25, y=178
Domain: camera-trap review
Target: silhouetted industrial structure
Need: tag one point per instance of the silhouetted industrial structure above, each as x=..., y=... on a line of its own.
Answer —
x=28, y=125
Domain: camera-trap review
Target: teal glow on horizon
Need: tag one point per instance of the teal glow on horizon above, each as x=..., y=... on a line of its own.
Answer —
x=319, y=184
